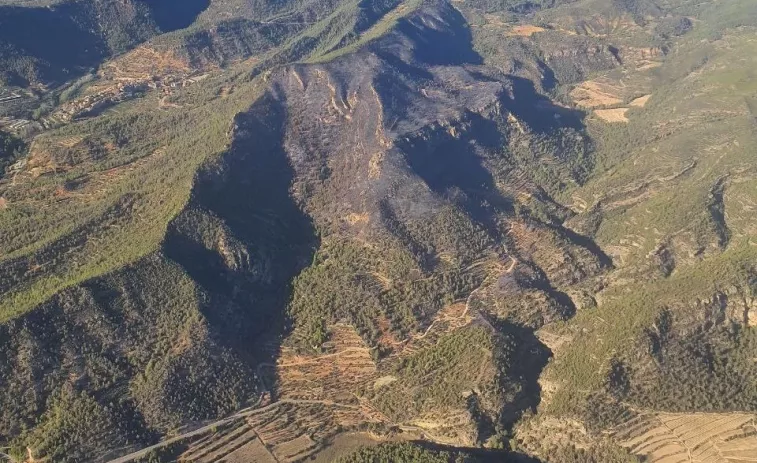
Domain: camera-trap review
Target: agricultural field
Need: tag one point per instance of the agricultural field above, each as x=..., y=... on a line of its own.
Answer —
x=716, y=438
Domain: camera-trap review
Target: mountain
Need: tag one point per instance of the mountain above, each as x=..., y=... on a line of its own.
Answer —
x=56, y=41
x=277, y=231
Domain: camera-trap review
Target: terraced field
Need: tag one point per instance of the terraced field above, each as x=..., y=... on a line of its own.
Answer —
x=284, y=432
x=345, y=365
x=316, y=402
x=691, y=438
x=236, y=440
x=450, y=318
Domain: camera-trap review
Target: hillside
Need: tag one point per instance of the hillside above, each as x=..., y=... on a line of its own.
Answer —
x=276, y=231
x=42, y=42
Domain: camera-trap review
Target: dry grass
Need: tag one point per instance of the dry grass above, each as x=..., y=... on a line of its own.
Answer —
x=645, y=66
x=355, y=219
x=594, y=94
x=143, y=63
x=291, y=449
x=640, y=102
x=374, y=166
x=345, y=365
x=612, y=115
x=344, y=444
x=695, y=438
x=524, y=30
x=253, y=451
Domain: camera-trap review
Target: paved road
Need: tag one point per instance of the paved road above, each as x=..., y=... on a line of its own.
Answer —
x=145, y=451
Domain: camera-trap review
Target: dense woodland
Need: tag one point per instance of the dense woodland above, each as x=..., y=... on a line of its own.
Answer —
x=11, y=149
x=406, y=452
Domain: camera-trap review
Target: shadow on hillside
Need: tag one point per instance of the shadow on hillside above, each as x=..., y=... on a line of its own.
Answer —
x=452, y=166
x=538, y=111
x=61, y=41
x=267, y=242
x=441, y=40
x=482, y=454
x=171, y=15
x=529, y=360
x=588, y=244
x=40, y=41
